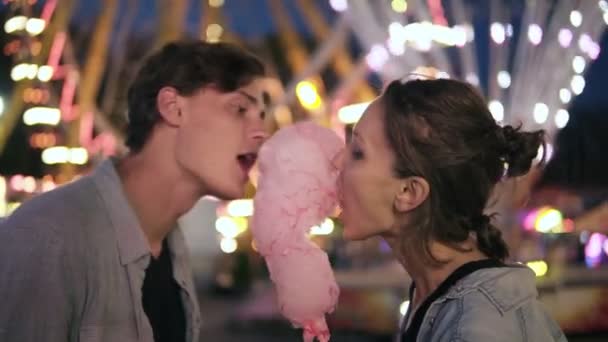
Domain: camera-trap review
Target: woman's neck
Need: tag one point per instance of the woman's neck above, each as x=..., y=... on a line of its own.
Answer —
x=428, y=275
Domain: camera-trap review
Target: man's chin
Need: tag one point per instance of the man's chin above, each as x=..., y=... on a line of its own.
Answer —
x=229, y=194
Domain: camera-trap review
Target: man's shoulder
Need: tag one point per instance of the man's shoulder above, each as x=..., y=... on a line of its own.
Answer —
x=66, y=207
x=71, y=218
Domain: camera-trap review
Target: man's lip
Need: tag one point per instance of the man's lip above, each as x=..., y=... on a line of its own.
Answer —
x=247, y=158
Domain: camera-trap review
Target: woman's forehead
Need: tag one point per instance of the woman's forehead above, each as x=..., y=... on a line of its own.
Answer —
x=370, y=122
x=370, y=129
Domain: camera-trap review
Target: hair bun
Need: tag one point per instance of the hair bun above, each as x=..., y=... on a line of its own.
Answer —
x=519, y=148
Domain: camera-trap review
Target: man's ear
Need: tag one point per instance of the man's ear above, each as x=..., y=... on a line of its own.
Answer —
x=168, y=106
x=412, y=192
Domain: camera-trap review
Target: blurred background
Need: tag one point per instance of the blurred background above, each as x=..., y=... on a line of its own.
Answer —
x=64, y=71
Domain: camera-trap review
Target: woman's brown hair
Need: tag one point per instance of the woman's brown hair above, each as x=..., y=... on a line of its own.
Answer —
x=441, y=130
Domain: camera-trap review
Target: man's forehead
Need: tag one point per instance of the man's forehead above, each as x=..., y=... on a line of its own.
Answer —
x=258, y=96
x=254, y=89
x=255, y=92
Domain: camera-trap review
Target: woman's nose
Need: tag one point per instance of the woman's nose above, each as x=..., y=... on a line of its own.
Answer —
x=338, y=160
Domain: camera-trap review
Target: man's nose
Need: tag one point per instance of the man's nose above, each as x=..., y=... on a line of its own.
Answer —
x=259, y=134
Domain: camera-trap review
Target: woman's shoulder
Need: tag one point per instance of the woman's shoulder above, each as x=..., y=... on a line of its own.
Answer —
x=504, y=288
x=498, y=304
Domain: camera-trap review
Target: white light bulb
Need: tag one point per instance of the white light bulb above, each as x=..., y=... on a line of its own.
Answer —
x=578, y=64
x=565, y=95
x=535, y=34
x=577, y=84
x=561, y=118
x=541, y=112
x=576, y=18
x=504, y=79
x=497, y=110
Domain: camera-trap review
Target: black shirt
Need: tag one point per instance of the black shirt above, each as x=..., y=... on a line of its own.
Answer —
x=162, y=300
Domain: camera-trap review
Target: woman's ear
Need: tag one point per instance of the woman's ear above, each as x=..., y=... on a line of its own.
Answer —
x=413, y=191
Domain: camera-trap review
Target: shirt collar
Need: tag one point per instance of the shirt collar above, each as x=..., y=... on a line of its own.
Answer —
x=131, y=240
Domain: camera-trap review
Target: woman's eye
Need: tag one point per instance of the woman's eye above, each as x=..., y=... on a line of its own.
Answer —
x=357, y=154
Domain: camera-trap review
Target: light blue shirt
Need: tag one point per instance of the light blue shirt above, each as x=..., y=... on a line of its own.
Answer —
x=489, y=305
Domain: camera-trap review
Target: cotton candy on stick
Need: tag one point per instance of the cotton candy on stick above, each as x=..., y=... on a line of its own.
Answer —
x=296, y=190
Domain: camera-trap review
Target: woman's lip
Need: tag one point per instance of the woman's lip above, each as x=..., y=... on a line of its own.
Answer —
x=339, y=210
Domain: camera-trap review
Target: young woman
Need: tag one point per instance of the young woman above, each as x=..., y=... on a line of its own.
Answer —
x=420, y=168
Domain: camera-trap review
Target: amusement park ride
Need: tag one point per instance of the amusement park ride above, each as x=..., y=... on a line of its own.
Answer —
x=70, y=106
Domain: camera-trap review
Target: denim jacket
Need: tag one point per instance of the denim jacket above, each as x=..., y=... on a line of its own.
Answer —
x=492, y=304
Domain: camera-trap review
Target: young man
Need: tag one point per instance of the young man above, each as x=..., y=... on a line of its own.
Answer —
x=102, y=259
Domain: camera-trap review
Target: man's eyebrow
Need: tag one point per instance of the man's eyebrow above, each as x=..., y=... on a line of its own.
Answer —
x=250, y=97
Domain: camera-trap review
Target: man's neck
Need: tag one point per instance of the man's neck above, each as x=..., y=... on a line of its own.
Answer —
x=158, y=193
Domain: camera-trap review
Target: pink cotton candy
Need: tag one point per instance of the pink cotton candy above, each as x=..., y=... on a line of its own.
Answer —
x=297, y=190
